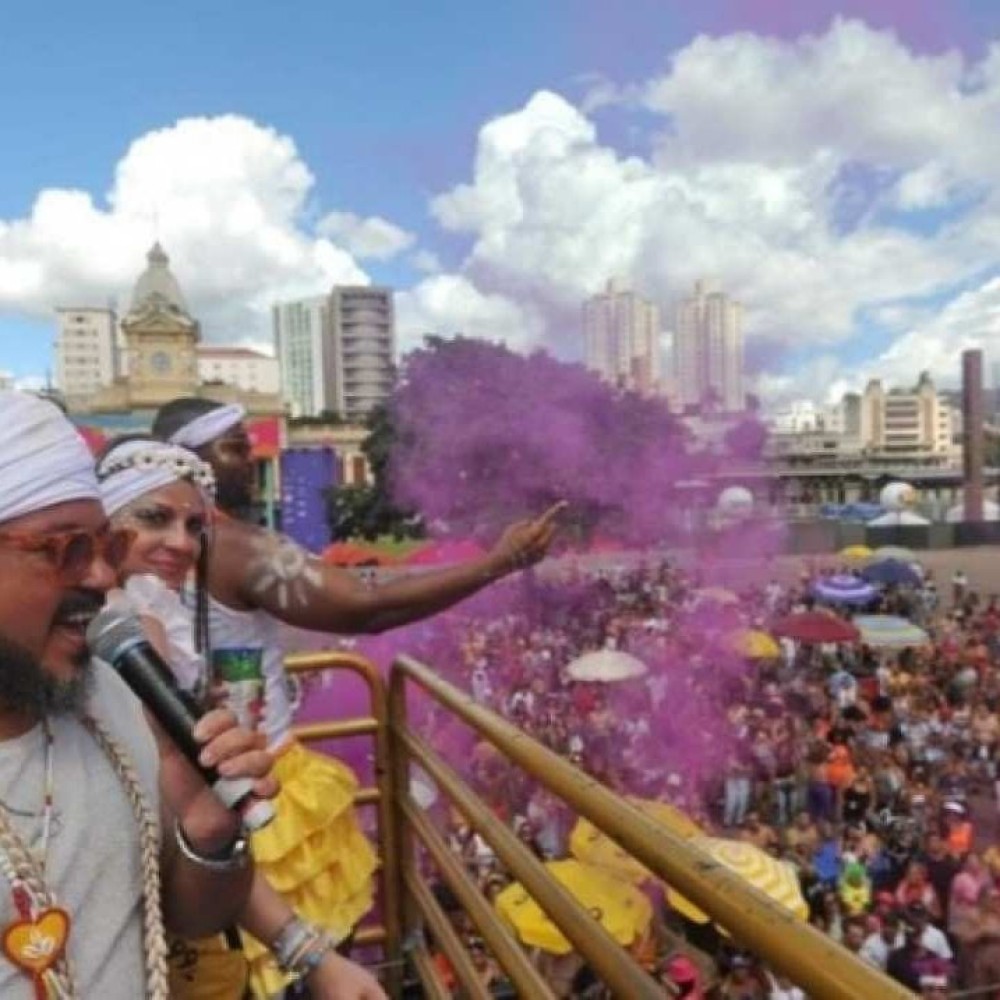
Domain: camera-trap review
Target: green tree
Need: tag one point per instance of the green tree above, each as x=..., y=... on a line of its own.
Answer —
x=367, y=511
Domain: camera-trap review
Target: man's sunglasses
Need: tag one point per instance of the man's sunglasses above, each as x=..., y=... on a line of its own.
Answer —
x=72, y=553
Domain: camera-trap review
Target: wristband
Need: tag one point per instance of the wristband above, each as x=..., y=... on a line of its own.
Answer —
x=300, y=947
x=234, y=858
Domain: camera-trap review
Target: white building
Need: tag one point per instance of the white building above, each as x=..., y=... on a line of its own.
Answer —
x=708, y=350
x=240, y=367
x=621, y=332
x=87, y=357
x=800, y=416
x=336, y=352
x=906, y=423
x=300, y=342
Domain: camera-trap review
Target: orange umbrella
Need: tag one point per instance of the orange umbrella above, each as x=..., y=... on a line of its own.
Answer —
x=351, y=554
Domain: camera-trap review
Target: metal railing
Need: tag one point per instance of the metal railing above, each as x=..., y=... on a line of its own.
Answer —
x=385, y=933
x=788, y=944
x=410, y=911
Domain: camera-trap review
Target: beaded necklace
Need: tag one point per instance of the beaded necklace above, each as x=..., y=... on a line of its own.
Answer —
x=36, y=941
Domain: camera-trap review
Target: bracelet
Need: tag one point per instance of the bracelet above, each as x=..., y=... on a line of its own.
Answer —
x=234, y=858
x=300, y=947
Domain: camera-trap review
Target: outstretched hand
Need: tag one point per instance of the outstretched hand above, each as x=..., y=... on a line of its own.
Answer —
x=527, y=542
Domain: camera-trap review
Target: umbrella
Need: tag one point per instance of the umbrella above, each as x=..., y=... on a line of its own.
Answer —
x=889, y=632
x=353, y=554
x=755, y=645
x=622, y=909
x=844, y=588
x=589, y=844
x=606, y=666
x=892, y=571
x=815, y=626
x=893, y=552
x=776, y=879
x=445, y=551
x=855, y=553
x=716, y=595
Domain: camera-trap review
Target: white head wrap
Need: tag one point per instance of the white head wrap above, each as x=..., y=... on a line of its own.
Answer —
x=209, y=426
x=43, y=459
x=138, y=467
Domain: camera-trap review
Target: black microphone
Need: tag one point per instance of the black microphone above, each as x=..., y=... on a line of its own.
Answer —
x=119, y=639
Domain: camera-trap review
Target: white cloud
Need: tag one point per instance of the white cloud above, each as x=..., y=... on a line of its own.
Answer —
x=789, y=170
x=224, y=195
x=448, y=304
x=372, y=238
x=971, y=320
x=426, y=261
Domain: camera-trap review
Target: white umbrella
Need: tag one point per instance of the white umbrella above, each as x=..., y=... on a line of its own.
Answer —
x=606, y=666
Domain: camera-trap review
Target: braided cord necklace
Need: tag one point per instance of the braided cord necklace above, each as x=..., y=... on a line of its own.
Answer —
x=36, y=942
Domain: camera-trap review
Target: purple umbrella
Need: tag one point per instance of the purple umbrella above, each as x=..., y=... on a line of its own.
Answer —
x=844, y=588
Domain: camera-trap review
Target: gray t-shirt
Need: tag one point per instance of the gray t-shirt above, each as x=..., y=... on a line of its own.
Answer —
x=93, y=858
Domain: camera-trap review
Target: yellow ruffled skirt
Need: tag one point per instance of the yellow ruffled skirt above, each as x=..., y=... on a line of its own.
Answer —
x=314, y=853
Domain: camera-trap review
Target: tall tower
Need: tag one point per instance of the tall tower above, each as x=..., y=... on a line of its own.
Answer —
x=621, y=332
x=708, y=350
x=973, y=417
x=302, y=346
x=161, y=337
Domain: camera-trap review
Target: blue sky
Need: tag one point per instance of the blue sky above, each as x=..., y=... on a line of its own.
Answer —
x=384, y=101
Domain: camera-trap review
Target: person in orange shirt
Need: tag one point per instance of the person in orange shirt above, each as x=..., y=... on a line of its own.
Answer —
x=959, y=832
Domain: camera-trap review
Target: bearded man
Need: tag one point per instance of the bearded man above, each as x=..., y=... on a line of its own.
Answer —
x=107, y=834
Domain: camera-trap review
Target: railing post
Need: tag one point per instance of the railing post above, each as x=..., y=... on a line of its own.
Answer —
x=406, y=916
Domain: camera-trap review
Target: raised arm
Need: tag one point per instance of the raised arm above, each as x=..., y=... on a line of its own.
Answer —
x=252, y=568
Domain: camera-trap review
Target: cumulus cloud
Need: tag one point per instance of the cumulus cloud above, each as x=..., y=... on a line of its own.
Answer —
x=971, y=320
x=224, y=195
x=372, y=238
x=449, y=304
x=794, y=171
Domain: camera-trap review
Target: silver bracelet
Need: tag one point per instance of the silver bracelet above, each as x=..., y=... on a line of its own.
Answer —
x=300, y=947
x=235, y=857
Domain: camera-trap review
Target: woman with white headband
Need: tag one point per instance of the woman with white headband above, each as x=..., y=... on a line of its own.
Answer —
x=163, y=494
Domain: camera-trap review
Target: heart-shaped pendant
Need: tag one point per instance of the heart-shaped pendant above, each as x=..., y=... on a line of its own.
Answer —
x=36, y=945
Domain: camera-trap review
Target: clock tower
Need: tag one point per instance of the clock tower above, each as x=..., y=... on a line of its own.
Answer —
x=161, y=337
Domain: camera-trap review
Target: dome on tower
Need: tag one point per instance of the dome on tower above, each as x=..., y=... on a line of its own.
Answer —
x=157, y=286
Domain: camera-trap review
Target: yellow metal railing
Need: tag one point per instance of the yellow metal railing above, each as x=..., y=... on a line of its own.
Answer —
x=809, y=958
x=409, y=908
x=387, y=932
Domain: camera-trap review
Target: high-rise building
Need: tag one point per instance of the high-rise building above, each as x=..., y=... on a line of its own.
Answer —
x=363, y=339
x=86, y=351
x=905, y=423
x=337, y=352
x=708, y=350
x=621, y=332
x=300, y=340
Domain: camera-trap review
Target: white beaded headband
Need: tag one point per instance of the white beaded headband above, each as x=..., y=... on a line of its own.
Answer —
x=142, y=466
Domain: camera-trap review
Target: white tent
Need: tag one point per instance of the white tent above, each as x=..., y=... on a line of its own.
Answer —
x=897, y=518
x=956, y=514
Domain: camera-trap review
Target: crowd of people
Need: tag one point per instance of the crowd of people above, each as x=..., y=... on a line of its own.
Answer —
x=872, y=771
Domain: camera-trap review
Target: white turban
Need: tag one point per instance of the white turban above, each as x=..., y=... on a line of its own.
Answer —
x=43, y=459
x=137, y=467
x=209, y=426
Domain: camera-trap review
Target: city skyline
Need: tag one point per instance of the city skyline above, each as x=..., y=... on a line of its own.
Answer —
x=862, y=238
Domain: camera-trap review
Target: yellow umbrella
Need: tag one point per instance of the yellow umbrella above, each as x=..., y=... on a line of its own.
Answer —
x=776, y=879
x=623, y=911
x=756, y=645
x=856, y=554
x=590, y=845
